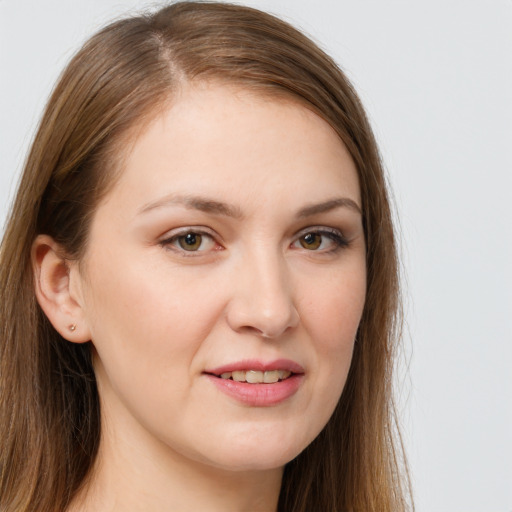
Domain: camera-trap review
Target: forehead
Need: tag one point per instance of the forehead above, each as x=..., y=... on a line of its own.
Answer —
x=223, y=139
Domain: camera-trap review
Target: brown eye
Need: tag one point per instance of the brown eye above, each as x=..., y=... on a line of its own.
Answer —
x=322, y=240
x=190, y=241
x=311, y=241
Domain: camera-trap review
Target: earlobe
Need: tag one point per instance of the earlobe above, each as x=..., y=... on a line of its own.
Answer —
x=54, y=277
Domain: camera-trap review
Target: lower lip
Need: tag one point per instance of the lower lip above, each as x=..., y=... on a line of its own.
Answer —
x=259, y=395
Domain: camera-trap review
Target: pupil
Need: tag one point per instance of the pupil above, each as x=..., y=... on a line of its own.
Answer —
x=311, y=241
x=190, y=239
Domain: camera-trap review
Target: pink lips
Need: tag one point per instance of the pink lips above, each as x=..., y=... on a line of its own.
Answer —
x=258, y=395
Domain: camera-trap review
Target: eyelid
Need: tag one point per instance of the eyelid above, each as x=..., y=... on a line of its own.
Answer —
x=167, y=240
x=334, y=234
x=319, y=229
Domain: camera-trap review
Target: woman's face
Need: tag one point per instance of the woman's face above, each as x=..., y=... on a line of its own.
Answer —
x=230, y=252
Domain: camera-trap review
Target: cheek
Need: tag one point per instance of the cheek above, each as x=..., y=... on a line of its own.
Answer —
x=144, y=318
x=332, y=316
x=147, y=326
x=333, y=309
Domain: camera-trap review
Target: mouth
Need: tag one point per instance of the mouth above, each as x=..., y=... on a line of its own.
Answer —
x=256, y=383
x=254, y=371
x=256, y=376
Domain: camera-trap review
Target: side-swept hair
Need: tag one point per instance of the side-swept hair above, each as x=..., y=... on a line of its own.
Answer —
x=49, y=407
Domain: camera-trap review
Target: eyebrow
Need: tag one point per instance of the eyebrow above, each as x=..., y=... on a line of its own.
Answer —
x=203, y=204
x=208, y=205
x=327, y=206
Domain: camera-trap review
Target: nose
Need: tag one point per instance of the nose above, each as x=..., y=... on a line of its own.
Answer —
x=262, y=299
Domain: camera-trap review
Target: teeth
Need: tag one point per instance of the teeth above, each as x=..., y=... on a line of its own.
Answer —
x=256, y=376
x=271, y=377
x=239, y=376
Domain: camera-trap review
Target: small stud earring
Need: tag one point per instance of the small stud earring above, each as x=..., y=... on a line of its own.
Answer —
x=72, y=327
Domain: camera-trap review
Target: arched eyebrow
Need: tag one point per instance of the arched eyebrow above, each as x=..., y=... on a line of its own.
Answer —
x=209, y=205
x=203, y=204
x=327, y=206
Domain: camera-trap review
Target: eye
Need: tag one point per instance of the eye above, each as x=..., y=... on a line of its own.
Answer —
x=321, y=240
x=190, y=241
x=311, y=241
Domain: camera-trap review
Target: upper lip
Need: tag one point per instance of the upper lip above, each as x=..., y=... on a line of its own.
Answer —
x=258, y=365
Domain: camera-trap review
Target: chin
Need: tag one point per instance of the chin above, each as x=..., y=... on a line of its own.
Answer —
x=264, y=462
x=252, y=453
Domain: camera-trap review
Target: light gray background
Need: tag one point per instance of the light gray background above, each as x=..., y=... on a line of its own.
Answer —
x=436, y=79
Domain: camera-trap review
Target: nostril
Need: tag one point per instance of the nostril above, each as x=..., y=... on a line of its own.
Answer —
x=268, y=333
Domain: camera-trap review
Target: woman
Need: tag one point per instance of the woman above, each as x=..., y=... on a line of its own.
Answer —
x=199, y=280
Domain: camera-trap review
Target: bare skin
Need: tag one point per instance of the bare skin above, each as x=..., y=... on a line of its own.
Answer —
x=233, y=237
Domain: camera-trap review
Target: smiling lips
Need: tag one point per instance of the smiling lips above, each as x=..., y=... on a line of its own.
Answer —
x=256, y=376
x=258, y=384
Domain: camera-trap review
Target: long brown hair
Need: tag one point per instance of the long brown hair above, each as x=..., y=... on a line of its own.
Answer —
x=49, y=423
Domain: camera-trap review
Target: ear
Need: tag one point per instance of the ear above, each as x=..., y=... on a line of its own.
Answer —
x=58, y=289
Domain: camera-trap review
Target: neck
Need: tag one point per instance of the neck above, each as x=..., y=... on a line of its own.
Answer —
x=133, y=477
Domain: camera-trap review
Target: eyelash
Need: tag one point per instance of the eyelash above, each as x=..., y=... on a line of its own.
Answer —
x=170, y=242
x=334, y=235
